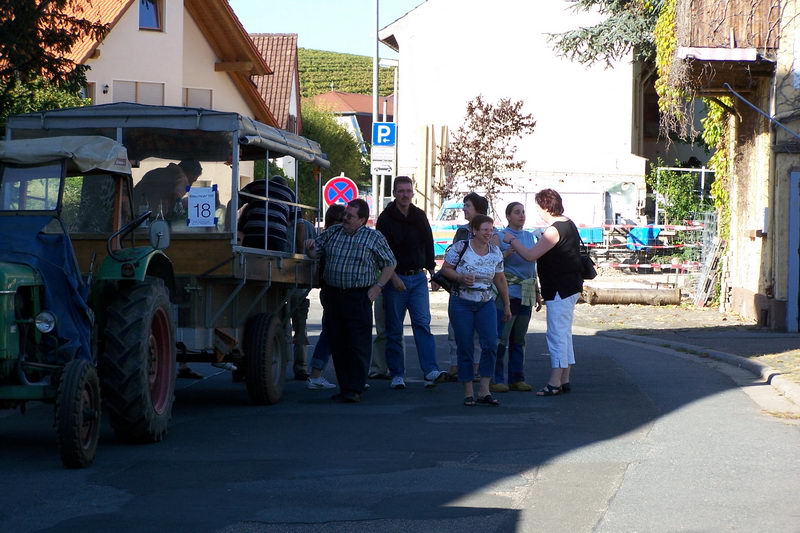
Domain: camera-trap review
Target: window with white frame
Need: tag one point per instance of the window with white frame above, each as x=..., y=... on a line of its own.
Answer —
x=138, y=92
x=197, y=98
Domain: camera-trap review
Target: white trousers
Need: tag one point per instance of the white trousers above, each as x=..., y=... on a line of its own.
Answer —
x=559, y=330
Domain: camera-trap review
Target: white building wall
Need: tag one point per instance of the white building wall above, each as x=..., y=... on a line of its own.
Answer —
x=198, y=71
x=131, y=54
x=453, y=50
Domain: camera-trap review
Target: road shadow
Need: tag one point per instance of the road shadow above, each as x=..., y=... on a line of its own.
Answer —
x=412, y=459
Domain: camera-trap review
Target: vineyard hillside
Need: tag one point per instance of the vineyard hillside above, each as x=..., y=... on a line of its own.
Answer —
x=321, y=72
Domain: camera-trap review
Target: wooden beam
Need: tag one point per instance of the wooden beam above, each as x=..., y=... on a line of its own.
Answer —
x=233, y=66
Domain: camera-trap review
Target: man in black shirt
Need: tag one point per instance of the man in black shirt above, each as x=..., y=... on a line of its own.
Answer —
x=409, y=235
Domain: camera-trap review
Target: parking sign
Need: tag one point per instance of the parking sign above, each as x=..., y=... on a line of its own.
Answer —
x=384, y=133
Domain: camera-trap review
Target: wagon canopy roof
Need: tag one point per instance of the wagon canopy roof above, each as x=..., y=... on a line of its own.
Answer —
x=84, y=153
x=127, y=115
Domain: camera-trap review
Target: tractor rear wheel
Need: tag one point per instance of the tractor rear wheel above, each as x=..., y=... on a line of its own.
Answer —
x=137, y=367
x=265, y=358
x=77, y=417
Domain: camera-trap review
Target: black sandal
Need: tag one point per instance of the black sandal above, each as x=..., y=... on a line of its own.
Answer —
x=469, y=401
x=565, y=388
x=548, y=390
x=488, y=400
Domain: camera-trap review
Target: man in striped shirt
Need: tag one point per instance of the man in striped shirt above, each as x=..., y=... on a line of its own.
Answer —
x=357, y=265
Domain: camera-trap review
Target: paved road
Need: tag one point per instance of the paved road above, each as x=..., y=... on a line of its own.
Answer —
x=646, y=442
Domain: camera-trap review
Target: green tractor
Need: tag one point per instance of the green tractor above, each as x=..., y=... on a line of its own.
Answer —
x=69, y=337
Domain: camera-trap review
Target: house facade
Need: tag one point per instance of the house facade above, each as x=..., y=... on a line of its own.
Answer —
x=191, y=53
x=451, y=51
x=747, y=51
x=280, y=89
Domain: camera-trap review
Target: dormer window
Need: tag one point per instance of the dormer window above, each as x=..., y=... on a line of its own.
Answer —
x=150, y=14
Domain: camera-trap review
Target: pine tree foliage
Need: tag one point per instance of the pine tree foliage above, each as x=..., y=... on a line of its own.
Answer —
x=627, y=27
x=322, y=72
x=35, y=37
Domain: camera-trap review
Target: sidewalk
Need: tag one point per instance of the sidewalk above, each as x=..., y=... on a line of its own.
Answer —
x=705, y=332
x=772, y=355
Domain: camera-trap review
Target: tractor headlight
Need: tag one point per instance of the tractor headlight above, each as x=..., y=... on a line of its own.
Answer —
x=45, y=322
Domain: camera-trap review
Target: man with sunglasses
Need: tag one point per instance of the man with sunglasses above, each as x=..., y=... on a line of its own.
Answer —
x=354, y=255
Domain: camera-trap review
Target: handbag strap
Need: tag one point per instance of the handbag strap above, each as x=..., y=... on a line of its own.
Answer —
x=461, y=253
x=584, y=248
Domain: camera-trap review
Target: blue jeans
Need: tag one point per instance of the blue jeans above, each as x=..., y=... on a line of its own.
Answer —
x=468, y=317
x=415, y=300
x=511, y=337
x=322, y=351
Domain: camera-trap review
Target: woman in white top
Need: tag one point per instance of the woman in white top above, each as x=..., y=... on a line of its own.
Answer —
x=476, y=265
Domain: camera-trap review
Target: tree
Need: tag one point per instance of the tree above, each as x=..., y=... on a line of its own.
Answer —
x=628, y=26
x=35, y=39
x=482, y=150
x=340, y=147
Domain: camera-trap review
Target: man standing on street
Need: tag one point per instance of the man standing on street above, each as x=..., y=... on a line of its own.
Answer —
x=352, y=254
x=409, y=235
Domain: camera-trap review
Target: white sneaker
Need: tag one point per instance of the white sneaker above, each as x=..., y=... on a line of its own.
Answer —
x=433, y=377
x=398, y=383
x=319, y=383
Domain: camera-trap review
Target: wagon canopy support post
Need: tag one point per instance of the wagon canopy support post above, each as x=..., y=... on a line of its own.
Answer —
x=317, y=174
x=266, y=199
x=235, y=187
x=298, y=213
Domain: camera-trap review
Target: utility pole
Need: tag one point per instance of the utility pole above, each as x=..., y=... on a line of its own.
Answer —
x=375, y=195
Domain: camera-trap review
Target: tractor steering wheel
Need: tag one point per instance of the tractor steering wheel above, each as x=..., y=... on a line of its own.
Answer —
x=124, y=231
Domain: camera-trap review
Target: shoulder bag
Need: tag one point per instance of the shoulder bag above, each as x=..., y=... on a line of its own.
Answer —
x=442, y=281
x=587, y=265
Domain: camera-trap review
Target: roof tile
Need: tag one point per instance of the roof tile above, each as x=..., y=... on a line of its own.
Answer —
x=279, y=51
x=340, y=102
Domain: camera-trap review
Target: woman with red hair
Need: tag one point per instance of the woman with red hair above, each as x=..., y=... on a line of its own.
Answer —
x=558, y=262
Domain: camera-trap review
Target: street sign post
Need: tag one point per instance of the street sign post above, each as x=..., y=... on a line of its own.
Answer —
x=383, y=154
x=339, y=190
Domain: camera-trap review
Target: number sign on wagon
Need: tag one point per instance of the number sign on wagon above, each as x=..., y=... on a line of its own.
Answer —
x=202, y=207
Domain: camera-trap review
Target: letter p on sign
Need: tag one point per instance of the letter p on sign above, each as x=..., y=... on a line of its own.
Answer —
x=383, y=133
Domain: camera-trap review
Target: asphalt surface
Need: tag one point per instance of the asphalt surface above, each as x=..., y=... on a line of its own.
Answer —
x=649, y=440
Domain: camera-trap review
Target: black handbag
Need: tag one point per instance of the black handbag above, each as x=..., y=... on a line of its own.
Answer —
x=442, y=281
x=587, y=265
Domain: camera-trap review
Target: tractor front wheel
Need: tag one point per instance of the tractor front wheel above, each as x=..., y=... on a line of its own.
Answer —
x=77, y=417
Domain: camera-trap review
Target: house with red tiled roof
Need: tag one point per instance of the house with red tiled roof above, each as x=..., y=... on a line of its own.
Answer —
x=281, y=89
x=354, y=112
x=192, y=53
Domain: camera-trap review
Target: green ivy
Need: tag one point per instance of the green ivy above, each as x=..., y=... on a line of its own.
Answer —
x=669, y=97
x=715, y=135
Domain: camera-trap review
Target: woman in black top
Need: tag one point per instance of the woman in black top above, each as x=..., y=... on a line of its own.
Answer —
x=557, y=254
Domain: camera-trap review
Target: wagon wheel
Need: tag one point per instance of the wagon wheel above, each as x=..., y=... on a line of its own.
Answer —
x=137, y=367
x=265, y=358
x=77, y=416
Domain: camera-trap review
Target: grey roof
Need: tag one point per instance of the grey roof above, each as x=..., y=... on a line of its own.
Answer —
x=127, y=115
